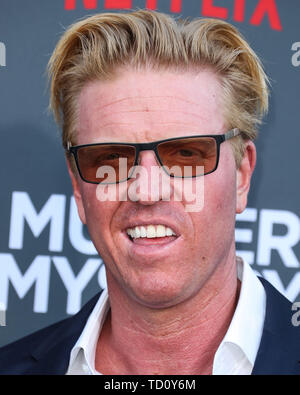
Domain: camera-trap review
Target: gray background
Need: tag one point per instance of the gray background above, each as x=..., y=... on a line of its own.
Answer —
x=32, y=165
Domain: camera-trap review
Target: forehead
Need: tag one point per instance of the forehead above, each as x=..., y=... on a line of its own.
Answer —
x=147, y=105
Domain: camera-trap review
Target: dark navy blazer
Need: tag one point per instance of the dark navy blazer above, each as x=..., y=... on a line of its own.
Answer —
x=47, y=351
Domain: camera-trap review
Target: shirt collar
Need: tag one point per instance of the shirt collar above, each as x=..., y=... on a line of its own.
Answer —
x=87, y=342
x=239, y=346
x=244, y=333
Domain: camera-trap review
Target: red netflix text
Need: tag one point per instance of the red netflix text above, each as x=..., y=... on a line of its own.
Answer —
x=264, y=9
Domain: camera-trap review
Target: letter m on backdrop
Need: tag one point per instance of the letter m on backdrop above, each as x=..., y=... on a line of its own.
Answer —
x=92, y=4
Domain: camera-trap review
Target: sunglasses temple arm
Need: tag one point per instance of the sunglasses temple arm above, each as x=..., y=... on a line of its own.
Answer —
x=69, y=145
x=232, y=133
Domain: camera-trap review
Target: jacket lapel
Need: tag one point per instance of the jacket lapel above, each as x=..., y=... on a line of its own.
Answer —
x=53, y=353
x=279, y=350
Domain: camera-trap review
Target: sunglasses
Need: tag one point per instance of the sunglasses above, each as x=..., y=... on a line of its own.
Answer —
x=182, y=157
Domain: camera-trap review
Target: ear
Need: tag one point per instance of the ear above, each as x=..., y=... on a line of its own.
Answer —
x=244, y=174
x=77, y=192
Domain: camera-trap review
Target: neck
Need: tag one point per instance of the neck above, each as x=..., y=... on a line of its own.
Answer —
x=184, y=338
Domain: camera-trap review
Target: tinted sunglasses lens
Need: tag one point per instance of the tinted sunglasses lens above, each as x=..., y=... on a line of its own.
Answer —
x=189, y=157
x=105, y=163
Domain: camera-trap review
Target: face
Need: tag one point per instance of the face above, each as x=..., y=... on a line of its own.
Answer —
x=145, y=106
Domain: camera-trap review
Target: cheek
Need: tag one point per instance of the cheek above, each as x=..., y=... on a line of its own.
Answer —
x=222, y=197
x=218, y=209
x=215, y=222
x=223, y=191
x=98, y=213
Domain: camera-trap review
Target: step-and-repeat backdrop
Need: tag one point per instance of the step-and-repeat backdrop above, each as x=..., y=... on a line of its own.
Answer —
x=48, y=265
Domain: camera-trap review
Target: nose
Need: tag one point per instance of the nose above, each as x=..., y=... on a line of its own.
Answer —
x=147, y=159
x=150, y=181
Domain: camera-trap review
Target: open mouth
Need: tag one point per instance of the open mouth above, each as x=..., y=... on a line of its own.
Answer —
x=151, y=234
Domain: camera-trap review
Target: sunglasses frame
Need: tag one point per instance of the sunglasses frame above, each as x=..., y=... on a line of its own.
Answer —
x=219, y=138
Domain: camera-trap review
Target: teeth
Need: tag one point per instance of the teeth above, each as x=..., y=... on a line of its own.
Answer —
x=143, y=231
x=160, y=231
x=169, y=232
x=137, y=232
x=150, y=231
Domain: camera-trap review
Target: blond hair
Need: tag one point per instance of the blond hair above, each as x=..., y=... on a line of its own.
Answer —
x=96, y=47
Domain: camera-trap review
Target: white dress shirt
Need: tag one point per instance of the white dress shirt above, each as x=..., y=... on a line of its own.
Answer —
x=236, y=353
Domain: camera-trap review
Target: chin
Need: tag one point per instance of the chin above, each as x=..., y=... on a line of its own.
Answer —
x=158, y=294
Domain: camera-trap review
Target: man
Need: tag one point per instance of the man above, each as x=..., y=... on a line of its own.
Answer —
x=136, y=92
